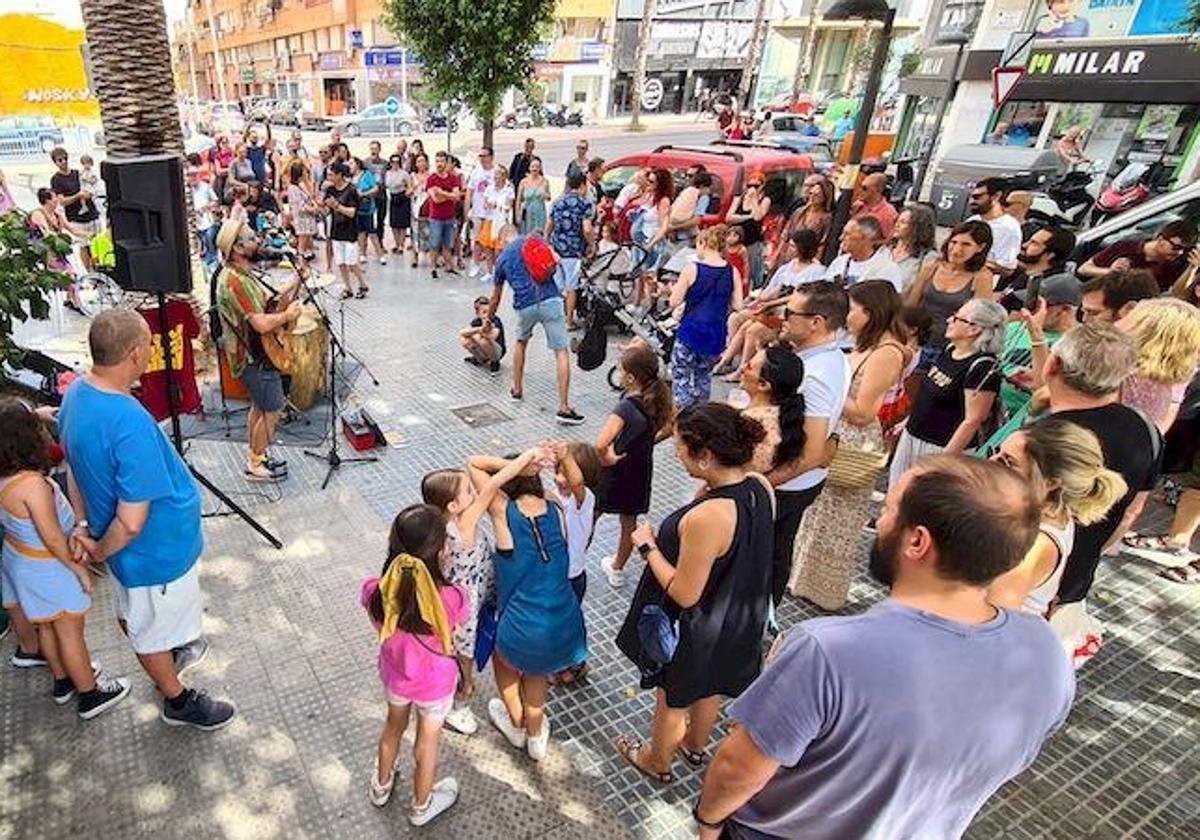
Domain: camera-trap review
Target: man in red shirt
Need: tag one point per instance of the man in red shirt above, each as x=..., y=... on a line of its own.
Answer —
x=1164, y=256
x=872, y=203
x=443, y=189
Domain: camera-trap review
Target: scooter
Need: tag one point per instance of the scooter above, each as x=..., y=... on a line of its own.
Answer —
x=1065, y=202
x=1132, y=186
x=521, y=118
x=435, y=120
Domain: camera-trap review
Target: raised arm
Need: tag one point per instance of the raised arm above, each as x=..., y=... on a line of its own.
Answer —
x=492, y=474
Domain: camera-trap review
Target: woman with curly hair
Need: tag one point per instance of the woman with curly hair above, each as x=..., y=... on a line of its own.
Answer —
x=913, y=241
x=1168, y=335
x=41, y=579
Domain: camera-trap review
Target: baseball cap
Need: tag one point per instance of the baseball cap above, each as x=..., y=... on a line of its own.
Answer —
x=1058, y=289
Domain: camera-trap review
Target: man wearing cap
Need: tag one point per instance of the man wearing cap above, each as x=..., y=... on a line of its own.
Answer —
x=242, y=301
x=1057, y=310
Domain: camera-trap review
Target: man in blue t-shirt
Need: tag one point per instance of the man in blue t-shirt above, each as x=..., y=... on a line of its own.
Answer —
x=535, y=303
x=143, y=515
x=902, y=721
x=569, y=228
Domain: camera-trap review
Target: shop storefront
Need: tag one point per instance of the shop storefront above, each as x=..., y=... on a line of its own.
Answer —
x=1136, y=101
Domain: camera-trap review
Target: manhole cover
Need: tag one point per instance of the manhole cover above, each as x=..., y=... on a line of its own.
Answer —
x=481, y=415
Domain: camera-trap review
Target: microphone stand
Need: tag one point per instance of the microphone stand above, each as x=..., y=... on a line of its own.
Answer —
x=337, y=347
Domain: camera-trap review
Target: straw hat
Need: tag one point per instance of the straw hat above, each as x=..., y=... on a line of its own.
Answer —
x=228, y=235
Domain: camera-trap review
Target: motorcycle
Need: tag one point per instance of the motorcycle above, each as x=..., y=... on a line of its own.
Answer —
x=435, y=120
x=521, y=118
x=560, y=118
x=1065, y=202
x=1132, y=186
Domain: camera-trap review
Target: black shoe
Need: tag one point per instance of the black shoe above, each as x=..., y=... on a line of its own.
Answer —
x=106, y=694
x=20, y=659
x=199, y=711
x=570, y=417
x=433, y=272
x=453, y=271
x=64, y=691
x=471, y=360
x=494, y=367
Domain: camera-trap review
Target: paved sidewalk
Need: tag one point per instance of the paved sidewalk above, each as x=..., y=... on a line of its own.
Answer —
x=292, y=647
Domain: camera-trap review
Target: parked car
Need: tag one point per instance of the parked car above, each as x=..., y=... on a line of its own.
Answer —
x=23, y=136
x=1142, y=221
x=286, y=112
x=260, y=110
x=784, y=172
x=223, y=118
x=376, y=120
x=815, y=146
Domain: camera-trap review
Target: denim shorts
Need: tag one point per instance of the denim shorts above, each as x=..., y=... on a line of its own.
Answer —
x=551, y=315
x=265, y=386
x=566, y=274
x=365, y=222
x=441, y=234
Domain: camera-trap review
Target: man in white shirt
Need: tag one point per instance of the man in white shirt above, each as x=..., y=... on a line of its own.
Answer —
x=481, y=179
x=862, y=258
x=205, y=203
x=988, y=206
x=815, y=313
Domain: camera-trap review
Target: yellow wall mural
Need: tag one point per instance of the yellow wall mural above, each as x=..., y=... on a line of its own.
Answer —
x=41, y=70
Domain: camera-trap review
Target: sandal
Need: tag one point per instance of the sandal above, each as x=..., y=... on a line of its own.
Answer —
x=1156, y=542
x=572, y=675
x=347, y=294
x=693, y=758
x=629, y=748
x=1188, y=574
x=363, y=292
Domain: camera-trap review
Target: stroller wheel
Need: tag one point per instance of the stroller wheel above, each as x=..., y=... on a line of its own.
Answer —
x=613, y=381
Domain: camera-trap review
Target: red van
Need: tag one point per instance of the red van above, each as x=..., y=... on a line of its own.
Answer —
x=729, y=164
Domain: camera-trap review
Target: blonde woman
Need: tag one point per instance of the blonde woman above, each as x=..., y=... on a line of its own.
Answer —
x=1168, y=335
x=1066, y=465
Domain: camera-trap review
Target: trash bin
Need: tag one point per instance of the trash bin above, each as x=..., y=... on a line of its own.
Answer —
x=964, y=166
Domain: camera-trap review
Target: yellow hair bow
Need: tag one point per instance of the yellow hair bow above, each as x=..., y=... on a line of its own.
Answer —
x=429, y=600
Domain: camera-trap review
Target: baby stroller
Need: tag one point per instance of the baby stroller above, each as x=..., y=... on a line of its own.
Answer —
x=608, y=283
x=657, y=331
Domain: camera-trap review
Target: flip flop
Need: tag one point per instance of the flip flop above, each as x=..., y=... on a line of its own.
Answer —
x=629, y=749
x=1189, y=574
x=347, y=294
x=693, y=758
x=1156, y=542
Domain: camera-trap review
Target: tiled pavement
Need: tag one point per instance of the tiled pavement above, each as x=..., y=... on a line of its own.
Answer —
x=293, y=649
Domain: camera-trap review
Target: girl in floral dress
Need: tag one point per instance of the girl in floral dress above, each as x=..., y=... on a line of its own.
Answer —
x=469, y=562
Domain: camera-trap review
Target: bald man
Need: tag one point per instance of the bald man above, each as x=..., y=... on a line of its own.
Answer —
x=143, y=515
x=872, y=203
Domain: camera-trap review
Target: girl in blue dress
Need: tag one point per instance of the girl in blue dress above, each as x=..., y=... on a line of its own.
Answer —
x=539, y=628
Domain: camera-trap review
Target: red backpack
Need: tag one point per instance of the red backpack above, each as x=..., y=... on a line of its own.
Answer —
x=539, y=259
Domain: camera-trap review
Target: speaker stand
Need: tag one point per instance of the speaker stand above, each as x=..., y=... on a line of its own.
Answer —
x=177, y=432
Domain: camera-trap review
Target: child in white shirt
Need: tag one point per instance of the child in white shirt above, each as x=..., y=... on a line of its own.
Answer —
x=575, y=476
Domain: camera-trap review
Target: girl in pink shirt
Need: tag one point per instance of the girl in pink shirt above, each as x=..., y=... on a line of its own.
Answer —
x=415, y=611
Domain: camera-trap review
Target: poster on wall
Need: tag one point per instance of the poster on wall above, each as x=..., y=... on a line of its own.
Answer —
x=1159, y=17
x=1084, y=18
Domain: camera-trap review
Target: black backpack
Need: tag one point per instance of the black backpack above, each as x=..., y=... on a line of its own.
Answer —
x=593, y=347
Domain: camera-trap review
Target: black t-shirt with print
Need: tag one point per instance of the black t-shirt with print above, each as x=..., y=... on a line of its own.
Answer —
x=941, y=404
x=1132, y=447
x=67, y=185
x=343, y=228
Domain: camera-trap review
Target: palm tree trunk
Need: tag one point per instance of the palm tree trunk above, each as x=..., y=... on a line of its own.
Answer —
x=758, y=36
x=639, y=70
x=136, y=88
x=803, y=77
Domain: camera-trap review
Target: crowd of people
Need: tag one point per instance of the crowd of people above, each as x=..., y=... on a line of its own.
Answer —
x=1013, y=415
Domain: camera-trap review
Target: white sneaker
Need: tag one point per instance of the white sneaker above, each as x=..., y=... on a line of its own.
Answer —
x=500, y=719
x=536, y=745
x=443, y=795
x=383, y=260
x=876, y=496
x=462, y=720
x=616, y=577
x=474, y=272
x=381, y=793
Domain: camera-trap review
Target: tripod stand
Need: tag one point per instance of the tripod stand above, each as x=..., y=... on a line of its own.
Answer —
x=177, y=432
x=336, y=347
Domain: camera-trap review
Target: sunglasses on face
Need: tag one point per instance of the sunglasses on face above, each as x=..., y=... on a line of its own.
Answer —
x=798, y=313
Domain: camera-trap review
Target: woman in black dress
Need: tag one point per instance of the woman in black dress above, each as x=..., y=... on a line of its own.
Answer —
x=710, y=570
x=641, y=419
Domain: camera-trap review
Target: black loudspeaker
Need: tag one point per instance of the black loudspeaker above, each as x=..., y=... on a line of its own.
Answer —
x=148, y=215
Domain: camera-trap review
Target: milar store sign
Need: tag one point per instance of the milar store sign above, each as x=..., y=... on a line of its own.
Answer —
x=1148, y=72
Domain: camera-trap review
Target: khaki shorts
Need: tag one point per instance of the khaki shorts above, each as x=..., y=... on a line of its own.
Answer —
x=432, y=709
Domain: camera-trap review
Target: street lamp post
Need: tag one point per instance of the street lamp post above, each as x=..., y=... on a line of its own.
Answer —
x=859, y=10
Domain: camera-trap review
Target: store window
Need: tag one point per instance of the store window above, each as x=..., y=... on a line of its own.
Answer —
x=918, y=136
x=1017, y=124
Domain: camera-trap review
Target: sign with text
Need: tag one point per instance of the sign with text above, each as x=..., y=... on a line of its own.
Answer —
x=1128, y=72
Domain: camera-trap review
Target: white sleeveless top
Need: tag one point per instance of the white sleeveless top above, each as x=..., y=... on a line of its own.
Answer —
x=1038, y=600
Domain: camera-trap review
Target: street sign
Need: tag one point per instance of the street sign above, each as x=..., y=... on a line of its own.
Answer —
x=1004, y=79
x=392, y=106
x=652, y=94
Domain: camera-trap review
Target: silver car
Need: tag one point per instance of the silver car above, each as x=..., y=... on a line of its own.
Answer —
x=376, y=120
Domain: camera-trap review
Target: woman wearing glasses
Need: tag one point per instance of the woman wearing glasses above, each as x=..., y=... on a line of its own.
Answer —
x=750, y=212
x=959, y=389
